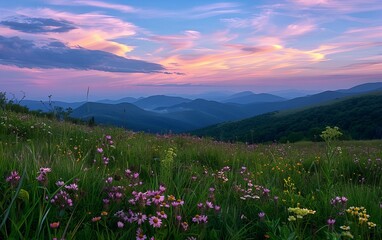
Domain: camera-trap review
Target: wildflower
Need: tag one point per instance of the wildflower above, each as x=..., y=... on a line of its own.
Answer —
x=14, y=178
x=261, y=215
x=209, y=204
x=54, y=225
x=141, y=218
x=104, y=213
x=291, y=218
x=200, y=219
x=73, y=187
x=60, y=183
x=155, y=222
x=184, y=226
x=266, y=191
x=331, y=221
x=62, y=199
x=217, y=208
x=345, y=228
x=162, y=214
x=157, y=199
x=140, y=235
x=99, y=150
x=42, y=177
x=109, y=180
x=96, y=219
x=120, y=224
x=371, y=225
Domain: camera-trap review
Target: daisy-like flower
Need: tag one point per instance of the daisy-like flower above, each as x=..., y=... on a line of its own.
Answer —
x=157, y=199
x=155, y=222
x=140, y=218
x=184, y=226
x=161, y=214
x=140, y=235
x=345, y=228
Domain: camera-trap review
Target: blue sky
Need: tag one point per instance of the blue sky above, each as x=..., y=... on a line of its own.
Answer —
x=138, y=48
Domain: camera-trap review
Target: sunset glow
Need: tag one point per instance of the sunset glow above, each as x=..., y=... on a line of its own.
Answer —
x=119, y=48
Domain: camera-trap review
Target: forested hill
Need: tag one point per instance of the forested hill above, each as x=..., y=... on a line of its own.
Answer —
x=358, y=118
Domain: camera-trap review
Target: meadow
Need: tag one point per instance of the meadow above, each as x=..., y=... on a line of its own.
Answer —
x=65, y=181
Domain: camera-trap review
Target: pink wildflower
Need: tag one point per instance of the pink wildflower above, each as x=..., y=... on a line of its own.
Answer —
x=120, y=224
x=155, y=222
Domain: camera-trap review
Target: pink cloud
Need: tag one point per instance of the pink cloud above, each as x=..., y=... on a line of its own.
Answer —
x=93, y=30
x=299, y=29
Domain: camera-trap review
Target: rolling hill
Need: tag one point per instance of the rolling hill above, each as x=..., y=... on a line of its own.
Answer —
x=129, y=116
x=358, y=117
x=156, y=101
x=250, y=97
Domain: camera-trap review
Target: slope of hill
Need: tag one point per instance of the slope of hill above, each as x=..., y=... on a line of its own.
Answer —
x=122, y=100
x=220, y=111
x=47, y=106
x=250, y=97
x=129, y=116
x=359, y=118
x=157, y=101
x=367, y=87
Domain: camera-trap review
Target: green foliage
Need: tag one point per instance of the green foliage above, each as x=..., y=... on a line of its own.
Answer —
x=358, y=118
x=244, y=191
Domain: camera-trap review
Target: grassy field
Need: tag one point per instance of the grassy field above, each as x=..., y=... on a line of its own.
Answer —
x=64, y=181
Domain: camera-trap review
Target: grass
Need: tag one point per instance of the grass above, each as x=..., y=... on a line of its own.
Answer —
x=181, y=187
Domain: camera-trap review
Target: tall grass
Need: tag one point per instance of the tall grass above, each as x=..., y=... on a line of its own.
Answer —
x=125, y=185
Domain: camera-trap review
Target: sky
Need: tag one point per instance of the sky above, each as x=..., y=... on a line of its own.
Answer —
x=96, y=49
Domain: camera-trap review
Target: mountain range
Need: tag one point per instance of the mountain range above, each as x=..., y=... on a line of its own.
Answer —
x=160, y=113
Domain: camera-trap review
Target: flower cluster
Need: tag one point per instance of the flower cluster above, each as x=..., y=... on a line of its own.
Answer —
x=338, y=201
x=221, y=174
x=133, y=178
x=42, y=175
x=299, y=213
x=13, y=178
x=361, y=214
x=65, y=197
x=155, y=204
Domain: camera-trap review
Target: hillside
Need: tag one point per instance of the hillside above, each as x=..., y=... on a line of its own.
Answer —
x=66, y=181
x=358, y=117
x=157, y=101
x=128, y=116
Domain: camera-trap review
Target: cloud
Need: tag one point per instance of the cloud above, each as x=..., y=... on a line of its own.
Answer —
x=27, y=54
x=92, y=30
x=38, y=25
x=199, y=12
x=348, y=6
x=99, y=4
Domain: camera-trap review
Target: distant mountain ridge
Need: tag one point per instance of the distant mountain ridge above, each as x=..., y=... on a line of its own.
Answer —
x=161, y=113
x=250, y=97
